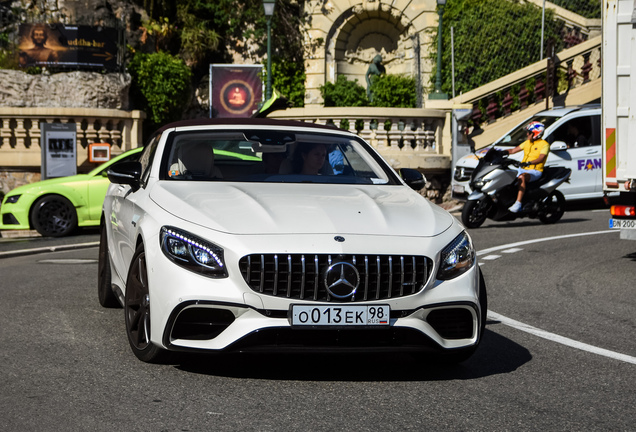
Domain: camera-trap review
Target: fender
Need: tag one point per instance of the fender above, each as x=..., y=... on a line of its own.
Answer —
x=476, y=195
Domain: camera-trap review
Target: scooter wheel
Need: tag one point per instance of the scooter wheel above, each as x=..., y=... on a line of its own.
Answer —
x=474, y=213
x=552, y=208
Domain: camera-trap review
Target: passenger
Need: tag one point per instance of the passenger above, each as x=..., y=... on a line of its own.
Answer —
x=195, y=161
x=535, y=152
x=272, y=162
x=309, y=159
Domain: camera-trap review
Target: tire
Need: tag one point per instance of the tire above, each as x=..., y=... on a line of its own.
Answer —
x=105, y=294
x=53, y=216
x=474, y=213
x=552, y=208
x=137, y=311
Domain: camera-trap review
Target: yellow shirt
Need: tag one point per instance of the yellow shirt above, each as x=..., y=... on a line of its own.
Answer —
x=532, y=150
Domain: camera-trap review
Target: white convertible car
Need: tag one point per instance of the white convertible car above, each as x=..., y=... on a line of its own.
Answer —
x=262, y=235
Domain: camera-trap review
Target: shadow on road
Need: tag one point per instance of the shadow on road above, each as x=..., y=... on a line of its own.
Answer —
x=496, y=355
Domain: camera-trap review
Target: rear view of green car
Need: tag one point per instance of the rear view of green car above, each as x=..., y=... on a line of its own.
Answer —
x=56, y=207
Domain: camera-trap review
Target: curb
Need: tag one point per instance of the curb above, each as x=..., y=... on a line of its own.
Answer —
x=21, y=252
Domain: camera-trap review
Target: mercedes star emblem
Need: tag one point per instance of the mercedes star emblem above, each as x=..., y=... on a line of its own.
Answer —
x=342, y=280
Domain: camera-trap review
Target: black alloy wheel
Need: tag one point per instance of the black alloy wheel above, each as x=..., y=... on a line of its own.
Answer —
x=53, y=216
x=137, y=311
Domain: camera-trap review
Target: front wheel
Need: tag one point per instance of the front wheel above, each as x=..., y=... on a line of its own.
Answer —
x=137, y=311
x=552, y=208
x=474, y=213
x=53, y=216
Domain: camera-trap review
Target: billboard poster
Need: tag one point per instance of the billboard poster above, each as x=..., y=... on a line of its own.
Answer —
x=57, y=45
x=236, y=91
x=58, y=142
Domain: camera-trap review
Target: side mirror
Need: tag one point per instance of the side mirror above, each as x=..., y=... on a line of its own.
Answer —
x=558, y=146
x=413, y=178
x=125, y=173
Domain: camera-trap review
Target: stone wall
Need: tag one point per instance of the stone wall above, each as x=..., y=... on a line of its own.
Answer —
x=69, y=89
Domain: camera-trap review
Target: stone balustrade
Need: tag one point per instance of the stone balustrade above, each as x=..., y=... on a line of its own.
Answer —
x=20, y=132
x=405, y=137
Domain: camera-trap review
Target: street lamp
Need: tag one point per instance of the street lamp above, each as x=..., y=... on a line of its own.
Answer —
x=437, y=94
x=269, y=5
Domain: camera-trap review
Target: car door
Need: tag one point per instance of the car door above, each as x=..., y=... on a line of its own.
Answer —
x=125, y=213
x=583, y=155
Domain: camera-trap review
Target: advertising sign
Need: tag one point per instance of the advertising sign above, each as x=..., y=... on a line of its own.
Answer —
x=57, y=45
x=235, y=90
x=58, y=143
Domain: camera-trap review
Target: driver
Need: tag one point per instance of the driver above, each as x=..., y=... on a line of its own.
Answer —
x=535, y=152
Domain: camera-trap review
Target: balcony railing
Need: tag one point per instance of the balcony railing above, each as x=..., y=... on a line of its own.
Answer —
x=20, y=132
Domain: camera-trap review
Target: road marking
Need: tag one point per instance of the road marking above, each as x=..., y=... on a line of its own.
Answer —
x=512, y=250
x=560, y=339
x=491, y=257
x=545, y=334
x=521, y=243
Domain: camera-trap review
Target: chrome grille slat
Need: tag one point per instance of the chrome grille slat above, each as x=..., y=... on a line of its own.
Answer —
x=289, y=275
x=391, y=276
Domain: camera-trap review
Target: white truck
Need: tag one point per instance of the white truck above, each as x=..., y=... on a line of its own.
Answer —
x=619, y=111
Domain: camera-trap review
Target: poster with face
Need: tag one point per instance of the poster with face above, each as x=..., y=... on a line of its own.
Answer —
x=236, y=90
x=57, y=45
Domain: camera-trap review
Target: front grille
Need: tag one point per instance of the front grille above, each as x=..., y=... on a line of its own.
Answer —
x=301, y=276
x=452, y=323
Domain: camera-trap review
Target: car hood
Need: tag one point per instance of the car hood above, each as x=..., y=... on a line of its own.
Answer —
x=46, y=184
x=249, y=208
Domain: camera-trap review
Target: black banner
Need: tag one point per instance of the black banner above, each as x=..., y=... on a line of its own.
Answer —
x=77, y=47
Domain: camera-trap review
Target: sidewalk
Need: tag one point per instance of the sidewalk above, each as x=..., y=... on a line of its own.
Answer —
x=17, y=243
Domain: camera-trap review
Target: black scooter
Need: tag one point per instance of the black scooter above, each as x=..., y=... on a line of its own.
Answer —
x=494, y=183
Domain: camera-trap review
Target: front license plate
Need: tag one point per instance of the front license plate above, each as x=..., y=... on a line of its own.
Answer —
x=321, y=315
x=622, y=223
x=458, y=189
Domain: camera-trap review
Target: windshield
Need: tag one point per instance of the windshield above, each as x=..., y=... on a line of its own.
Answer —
x=518, y=135
x=271, y=157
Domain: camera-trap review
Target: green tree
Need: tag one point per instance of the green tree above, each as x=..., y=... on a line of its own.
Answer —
x=161, y=86
x=492, y=38
x=289, y=79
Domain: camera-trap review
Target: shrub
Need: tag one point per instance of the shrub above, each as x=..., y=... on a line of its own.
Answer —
x=160, y=85
x=344, y=93
x=395, y=91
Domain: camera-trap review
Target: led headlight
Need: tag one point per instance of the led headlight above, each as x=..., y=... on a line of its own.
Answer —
x=12, y=199
x=192, y=252
x=479, y=184
x=456, y=258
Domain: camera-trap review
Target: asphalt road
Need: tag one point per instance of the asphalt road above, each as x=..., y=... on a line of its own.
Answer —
x=558, y=354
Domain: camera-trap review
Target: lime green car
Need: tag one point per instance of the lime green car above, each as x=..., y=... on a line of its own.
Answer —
x=55, y=207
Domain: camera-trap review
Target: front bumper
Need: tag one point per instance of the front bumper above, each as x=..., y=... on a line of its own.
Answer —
x=197, y=326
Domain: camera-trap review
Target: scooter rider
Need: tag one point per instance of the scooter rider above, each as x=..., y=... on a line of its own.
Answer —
x=535, y=154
